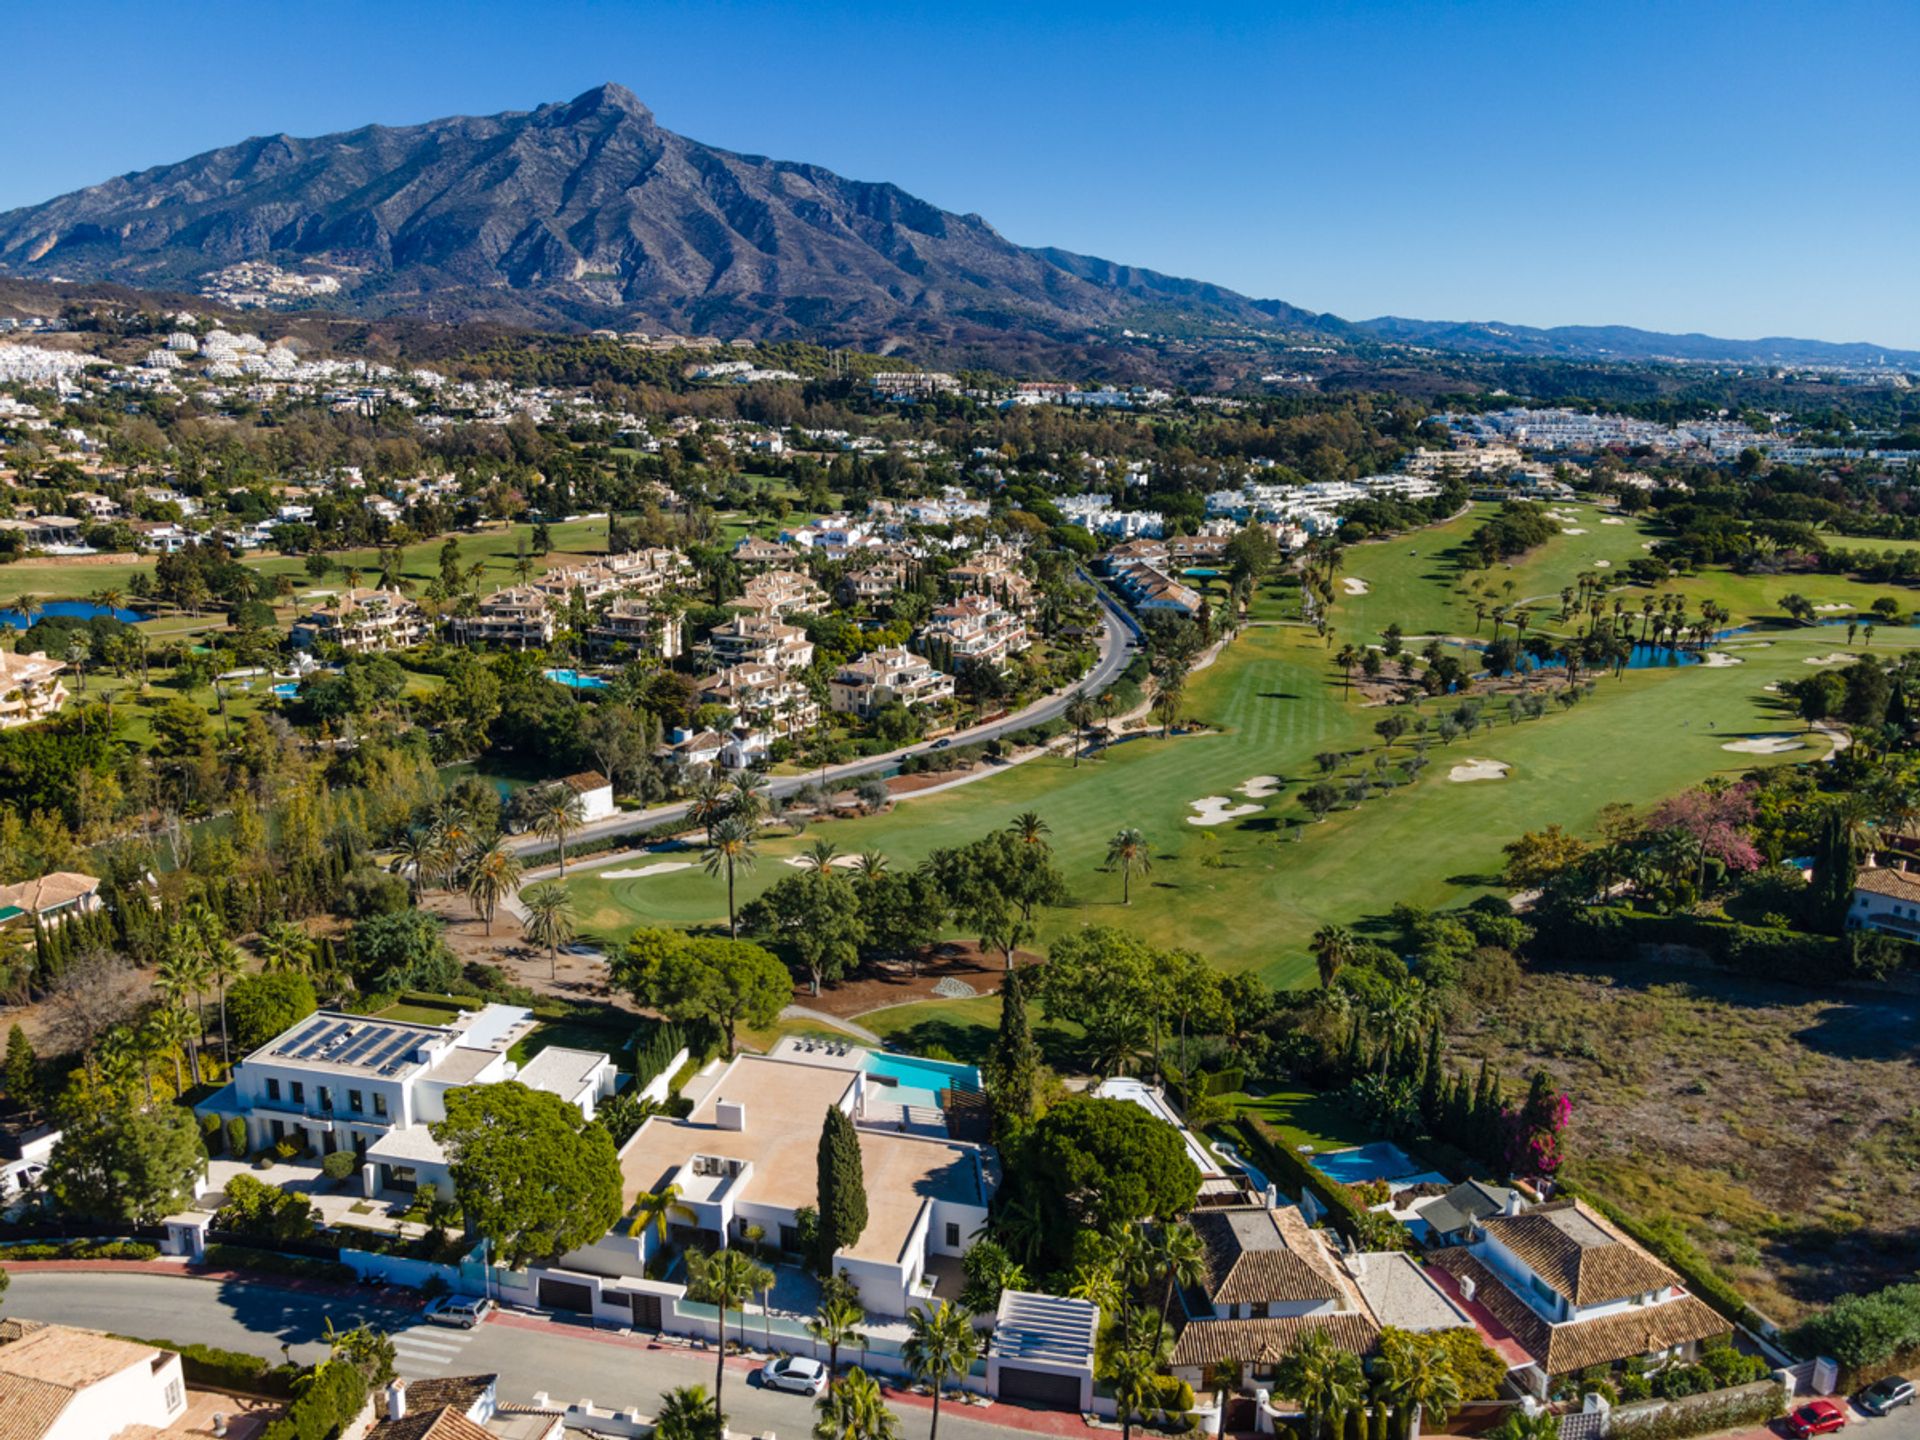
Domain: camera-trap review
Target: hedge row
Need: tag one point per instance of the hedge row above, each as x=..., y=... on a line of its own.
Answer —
x=247, y=1257
x=232, y=1370
x=326, y=1408
x=1702, y=1278
x=1737, y=1410
x=1290, y=1172
x=1612, y=933
x=81, y=1250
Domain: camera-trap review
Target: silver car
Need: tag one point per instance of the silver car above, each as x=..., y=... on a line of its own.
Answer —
x=796, y=1373
x=459, y=1310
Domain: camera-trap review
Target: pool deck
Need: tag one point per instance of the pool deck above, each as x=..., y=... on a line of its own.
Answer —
x=821, y=1052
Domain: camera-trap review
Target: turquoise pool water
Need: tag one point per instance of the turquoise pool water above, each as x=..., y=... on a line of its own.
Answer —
x=916, y=1081
x=1200, y=572
x=1378, y=1161
x=287, y=690
x=574, y=680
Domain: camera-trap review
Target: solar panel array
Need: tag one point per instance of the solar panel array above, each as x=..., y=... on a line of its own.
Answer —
x=363, y=1044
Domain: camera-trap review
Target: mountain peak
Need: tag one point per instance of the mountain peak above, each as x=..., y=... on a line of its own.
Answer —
x=610, y=96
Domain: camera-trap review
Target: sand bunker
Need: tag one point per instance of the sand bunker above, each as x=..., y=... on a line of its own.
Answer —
x=1834, y=605
x=1259, y=787
x=1603, y=564
x=1766, y=744
x=665, y=867
x=1218, y=810
x=1836, y=657
x=1648, y=544
x=1573, y=530
x=1613, y=520
x=1471, y=769
x=1353, y=586
x=839, y=862
x=1719, y=660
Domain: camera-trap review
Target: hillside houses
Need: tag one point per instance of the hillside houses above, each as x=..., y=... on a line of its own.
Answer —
x=363, y=622
x=630, y=626
x=758, y=639
x=517, y=618
x=975, y=627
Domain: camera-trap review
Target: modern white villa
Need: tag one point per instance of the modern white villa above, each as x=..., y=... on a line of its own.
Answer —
x=370, y=1086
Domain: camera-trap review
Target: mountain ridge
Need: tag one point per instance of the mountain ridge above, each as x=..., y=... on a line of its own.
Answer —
x=587, y=212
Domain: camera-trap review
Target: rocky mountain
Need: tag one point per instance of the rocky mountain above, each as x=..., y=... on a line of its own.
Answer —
x=589, y=213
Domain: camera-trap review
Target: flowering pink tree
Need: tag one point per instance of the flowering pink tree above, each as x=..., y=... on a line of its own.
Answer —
x=1716, y=821
x=1534, y=1129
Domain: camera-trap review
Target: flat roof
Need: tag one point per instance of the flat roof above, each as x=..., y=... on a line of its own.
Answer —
x=561, y=1071
x=786, y=1102
x=352, y=1044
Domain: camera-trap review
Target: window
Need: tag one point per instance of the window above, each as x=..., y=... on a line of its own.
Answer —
x=175, y=1399
x=379, y=1104
x=326, y=1098
x=273, y=1089
x=953, y=1236
x=355, y=1102
x=299, y=1093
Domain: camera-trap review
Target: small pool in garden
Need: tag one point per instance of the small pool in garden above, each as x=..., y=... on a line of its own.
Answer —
x=287, y=691
x=917, y=1081
x=574, y=680
x=1200, y=572
x=1382, y=1160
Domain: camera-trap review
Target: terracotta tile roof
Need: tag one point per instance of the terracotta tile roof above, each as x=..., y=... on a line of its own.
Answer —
x=1562, y=1349
x=436, y=1410
x=1267, y=1341
x=1252, y=1259
x=1579, y=1253
x=60, y=888
x=29, y=1407
x=1896, y=884
x=42, y=1367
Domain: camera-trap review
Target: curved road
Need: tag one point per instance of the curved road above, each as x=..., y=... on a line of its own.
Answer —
x=1117, y=645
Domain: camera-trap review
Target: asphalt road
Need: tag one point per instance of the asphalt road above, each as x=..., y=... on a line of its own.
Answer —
x=565, y=1361
x=1117, y=648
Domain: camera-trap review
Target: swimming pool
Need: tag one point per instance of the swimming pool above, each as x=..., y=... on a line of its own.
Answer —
x=288, y=690
x=67, y=610
x=574, y=680
x=1381, y=1160
x=917, y=1081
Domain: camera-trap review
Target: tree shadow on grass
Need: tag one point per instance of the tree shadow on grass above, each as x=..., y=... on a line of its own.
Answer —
x=1473, y=881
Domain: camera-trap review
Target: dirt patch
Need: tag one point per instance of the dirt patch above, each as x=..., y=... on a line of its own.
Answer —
x=878, y=985
x=926, y=780
x=1777, y=1126
x=576, y=977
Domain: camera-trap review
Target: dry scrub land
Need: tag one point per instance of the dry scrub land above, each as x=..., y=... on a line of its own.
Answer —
x=1778, y=1128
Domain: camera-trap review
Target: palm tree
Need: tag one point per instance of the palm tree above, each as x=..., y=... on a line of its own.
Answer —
x=26, y=605
x=549, y=920
x=1132, y=1261
x=1106, y=704
x=872, y=864
x=1166, y=707
x=1519, y=1425
x=1128, y=850
x=172, y=1032
x=837, y=1322
x=711, y=802
x=1079, y=714
x=855, y=1410
x=819, y=856
x=1180, y=1257
x=179, y=980
x=1398, y=1021
x=1323, y=1379
x=415, y=856
x=1095, y=1284
x=943, y=1344
x=1332, y=947
x=492, y=875
x=656, y=1210
x=1133, y=1374
x=285, y=947
x=1029, y=829
x=687, y=1412
x=558, y=811
x=224, y=963
x=1416, y=1375
x=730, y=849
x=725, y=1280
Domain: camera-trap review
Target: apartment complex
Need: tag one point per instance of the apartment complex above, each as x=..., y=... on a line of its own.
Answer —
x=517, y=618
x=30, y=688
x=363, y=622
x=886, y=677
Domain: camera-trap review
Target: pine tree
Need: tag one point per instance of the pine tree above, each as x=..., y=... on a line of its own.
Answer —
x=843, y=1186
x=1013, y=1068
x=22, y=1072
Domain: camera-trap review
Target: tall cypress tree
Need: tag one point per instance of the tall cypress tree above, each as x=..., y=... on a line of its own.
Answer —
x=843, y=1186
x=1432, y=1079
x=1013, y=1069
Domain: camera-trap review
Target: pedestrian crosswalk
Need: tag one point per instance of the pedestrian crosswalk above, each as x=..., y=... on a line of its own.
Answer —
x=424, y=1350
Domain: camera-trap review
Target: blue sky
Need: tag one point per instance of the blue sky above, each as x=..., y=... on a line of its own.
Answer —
x=1739, y=169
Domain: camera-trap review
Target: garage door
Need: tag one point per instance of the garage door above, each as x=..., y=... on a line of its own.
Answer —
x=1037, y=1387
x=646, y=1312
x=565, y=1295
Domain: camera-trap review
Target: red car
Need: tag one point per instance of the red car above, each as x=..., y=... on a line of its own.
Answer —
x=1819, y=1417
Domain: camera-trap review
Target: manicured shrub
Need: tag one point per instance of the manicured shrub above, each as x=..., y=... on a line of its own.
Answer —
x=339, y=1165
x=237, y=1137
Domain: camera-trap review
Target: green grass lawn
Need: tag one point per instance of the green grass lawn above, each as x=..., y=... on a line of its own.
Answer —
x=1307, y=1117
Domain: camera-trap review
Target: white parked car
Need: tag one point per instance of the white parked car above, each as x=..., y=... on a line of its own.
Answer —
x=459, y=1310
x=796, y=1373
